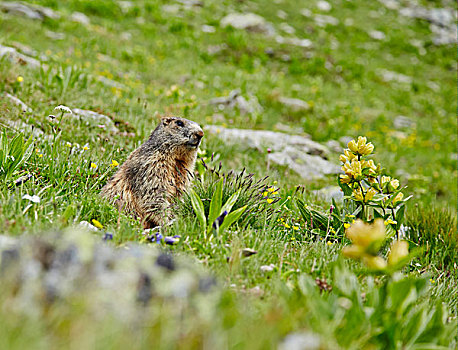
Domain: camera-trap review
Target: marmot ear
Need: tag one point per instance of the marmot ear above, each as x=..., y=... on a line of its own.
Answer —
x=167, y=120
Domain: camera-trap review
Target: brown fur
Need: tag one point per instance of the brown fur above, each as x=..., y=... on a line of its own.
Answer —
x=156, y=172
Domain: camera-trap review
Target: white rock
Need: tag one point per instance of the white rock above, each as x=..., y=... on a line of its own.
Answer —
x=294, y=103
x=300, y=341
x=18, y=102
x=94, y=119
x=28, y=10
x=80, y=17
x=324, y=5
x=14, y=56
x=247, y=21
x=323, y=20
x=208, y=29
x=299, y=153
x=389, y=76
x=377, y=35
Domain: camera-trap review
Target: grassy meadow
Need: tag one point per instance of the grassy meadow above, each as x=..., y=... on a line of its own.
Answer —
x=158, y=60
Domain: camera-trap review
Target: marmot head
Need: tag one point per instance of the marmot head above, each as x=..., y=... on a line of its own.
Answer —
x=180, y=132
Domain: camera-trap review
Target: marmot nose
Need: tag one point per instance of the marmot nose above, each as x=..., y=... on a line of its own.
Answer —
x=199, y=134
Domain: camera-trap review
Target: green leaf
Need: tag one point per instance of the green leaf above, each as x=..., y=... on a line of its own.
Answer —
x=230, y=202
x=400, y=216
x=215, y=204
x=345, y=188
x=231, y=218
x=198, y=207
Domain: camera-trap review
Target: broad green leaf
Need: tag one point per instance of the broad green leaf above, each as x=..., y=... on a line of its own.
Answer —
x=231, y=218
x=215, y=204
x=198, y=207
x=230, y=202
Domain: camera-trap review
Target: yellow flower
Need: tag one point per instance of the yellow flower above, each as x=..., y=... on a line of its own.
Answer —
x=295, y=228
x=269, y=200
x=348, y=156
x=275, y=182
x=363, y=234
x=374, y=262
x=85, y=148
x=398, y=198
x=274, y=193
x=93, y=166
x=345, y=179
x=369, y=164
x=353, y=169
x=361, y=147
x=68, y=144
x=265, y=194
x=353, y=251
x=432, y=281
x=40, y=155
x=271, y=189
x=389, y=221
x=20, y=79
x=97, y=223
x=398, y=251
x=287, y=226
x=346, y=225
x=329, y=243
x=394, y=184
x=114, y=163
x=367, y=197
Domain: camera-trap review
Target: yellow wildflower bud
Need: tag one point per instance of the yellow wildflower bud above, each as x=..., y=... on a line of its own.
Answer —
x=398, y=198
x=345, y=179
x=20, y=79
x=374, y=262
x=363, y=234
x=353, y=146
x=394, y=183
x=398, y=251
x=114, y=163
x=347, y=156
x=93, y=166
x=97, y=223
x=269, y=200
x=353, y=251
x=384, y=180
x=367, y=197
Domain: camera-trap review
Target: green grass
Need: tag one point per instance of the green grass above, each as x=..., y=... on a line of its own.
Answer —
x=348, y=98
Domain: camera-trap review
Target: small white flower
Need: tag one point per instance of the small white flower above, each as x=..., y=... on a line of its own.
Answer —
x=64, y=109
x=34, y=199
x=267, y=268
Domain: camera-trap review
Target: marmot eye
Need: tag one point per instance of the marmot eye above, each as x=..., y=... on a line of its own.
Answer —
x=180, y=123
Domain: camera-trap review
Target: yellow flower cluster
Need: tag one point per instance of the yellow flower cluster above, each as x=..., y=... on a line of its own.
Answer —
x=367, y=240
x=357, y=169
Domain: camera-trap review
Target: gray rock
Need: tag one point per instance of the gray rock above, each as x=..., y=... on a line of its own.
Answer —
x=329, y=193
x=54, y=35
x=324, y=20
x=324, y=6
x=293, y=41
x=377, y=35
x=16, y=57
x=111, y=83
x=334, y=146
x=300, y=341
x=81, y=18
x=247, y=21
x=28, y=10
x=58, y=267
x=294, y=103
x=235, y=99
x=93, y=119
x=390, y=76
x=402, y=122
x=299, y=153
x=19, y=103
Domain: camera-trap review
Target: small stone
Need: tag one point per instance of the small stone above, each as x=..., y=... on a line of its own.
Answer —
x=267, y=268
x=81, y=18
x=208, y=29
x=324, y=6
x=54, y=35
x=377, y=35
x=301, y=341
x=294, y=103
x=19, y=103
x=323, y=20
x=247, y=21
x=402, y=122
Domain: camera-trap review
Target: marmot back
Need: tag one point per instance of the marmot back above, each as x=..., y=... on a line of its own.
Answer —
x=156, y=172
